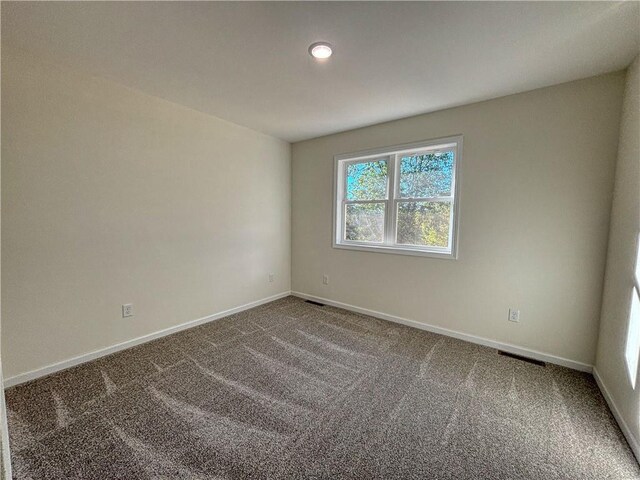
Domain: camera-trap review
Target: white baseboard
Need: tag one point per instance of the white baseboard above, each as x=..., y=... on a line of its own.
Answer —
x=631, y=439
x=542, y=356
x=55, y=367
x=5, y=451
x=545, y=357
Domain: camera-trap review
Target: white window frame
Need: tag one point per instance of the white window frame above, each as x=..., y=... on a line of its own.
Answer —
x=392, y=155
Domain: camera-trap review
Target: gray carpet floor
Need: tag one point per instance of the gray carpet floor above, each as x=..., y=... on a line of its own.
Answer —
x=293, y=390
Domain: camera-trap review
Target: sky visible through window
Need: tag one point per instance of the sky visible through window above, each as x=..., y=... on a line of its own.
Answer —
x=367, y=180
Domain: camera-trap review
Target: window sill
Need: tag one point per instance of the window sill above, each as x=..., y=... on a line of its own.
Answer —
x=397, y=251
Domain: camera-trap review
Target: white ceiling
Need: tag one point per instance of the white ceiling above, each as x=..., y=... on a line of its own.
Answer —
x=248, y=62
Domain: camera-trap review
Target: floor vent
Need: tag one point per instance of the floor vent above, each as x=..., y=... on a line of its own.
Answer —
x=315, y=303
x=524, y=359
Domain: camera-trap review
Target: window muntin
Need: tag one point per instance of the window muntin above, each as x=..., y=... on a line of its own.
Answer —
x=400, y=200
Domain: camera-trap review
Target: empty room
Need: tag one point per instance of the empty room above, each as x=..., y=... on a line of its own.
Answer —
x=320, y=240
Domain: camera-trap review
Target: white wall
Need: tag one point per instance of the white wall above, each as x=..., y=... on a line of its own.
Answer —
x=111, y=196
x=623, y=235
x=536, y=188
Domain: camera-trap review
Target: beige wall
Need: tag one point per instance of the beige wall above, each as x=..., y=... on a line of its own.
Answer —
x=623, y=235
x=536, y=188
x=110, y=196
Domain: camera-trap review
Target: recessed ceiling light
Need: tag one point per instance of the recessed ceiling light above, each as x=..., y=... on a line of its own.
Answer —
x=320, y=50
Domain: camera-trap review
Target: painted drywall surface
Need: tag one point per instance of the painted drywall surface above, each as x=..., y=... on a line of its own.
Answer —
x=110, y=196
x=623, y=235
x=536, y=186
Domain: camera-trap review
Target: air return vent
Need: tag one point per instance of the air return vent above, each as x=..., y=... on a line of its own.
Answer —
x=523, y=359
x=315, y=303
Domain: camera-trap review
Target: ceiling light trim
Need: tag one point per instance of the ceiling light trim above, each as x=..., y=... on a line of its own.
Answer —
x=320, y=50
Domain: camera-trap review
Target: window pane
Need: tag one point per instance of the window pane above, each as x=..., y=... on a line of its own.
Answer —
x=367, y=181
x=364, y=222
x=426, y=175
x=632, y=349
x=424, y=223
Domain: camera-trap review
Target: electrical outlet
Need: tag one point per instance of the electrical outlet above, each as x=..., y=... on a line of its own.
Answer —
x=271, y=277
x=514, y=315
x=127, y=310
x=325, y=279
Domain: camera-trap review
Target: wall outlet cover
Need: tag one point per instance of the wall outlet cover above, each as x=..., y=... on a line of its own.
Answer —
x=127, y=310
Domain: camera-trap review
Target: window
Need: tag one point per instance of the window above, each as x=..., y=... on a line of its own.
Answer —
x=399, y=199
x=632, y=348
